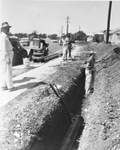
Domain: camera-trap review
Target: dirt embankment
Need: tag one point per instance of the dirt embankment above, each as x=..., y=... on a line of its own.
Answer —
x=30, y=120
x=101, y=109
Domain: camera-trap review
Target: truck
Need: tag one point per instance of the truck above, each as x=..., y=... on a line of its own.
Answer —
x=38, y=50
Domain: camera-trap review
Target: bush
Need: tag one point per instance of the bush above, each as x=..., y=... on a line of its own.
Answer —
x=53, y=36
x=80, y=35
x=98, y=38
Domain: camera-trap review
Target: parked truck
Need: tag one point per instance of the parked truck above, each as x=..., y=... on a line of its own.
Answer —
x=38, y=50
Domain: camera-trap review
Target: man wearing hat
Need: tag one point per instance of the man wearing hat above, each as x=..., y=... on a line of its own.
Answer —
x=6, y=55
x=90, y=73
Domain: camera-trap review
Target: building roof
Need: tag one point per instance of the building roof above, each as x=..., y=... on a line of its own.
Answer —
x=90, y=34
x=116, y=30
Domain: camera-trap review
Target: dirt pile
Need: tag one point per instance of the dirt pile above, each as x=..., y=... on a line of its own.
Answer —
x=23, y=120
x=30, y=116
x=101, y=109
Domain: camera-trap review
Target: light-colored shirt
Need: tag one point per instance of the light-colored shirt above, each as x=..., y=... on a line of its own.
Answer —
x=90, y=62
x=65, y=41
x=5, y=45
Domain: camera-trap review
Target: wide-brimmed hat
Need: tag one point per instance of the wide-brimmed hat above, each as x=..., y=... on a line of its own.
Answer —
x=92, y=53
x=5, y=25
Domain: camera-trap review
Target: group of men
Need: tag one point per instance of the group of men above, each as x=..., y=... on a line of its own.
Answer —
x=89, y=69
x=6, y=56
x=67, y=47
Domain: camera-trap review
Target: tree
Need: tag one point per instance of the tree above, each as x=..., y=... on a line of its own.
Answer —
x=21, y=35
x=98, y=38
x=34, y=32
x=33, y=35
x=42, y=35
x=53, y=36
x=80, y=35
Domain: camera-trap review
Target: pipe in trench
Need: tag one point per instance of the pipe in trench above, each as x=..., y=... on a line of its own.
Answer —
x=56, y=91
x=71, y=136
x=52, y=140
x=72, y=133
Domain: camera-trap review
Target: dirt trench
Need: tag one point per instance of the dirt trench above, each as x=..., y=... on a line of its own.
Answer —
x=53, y=132
x=34, y=122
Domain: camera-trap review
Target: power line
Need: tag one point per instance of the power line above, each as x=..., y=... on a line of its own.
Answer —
x=87, y=10
x=78, y=10
x=83, y=13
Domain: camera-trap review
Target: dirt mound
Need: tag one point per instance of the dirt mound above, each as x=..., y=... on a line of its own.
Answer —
x=24, y=117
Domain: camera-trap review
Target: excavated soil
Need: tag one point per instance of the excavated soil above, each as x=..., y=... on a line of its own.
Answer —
x=37, y=120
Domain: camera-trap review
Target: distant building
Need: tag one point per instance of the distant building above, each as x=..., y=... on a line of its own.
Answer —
x=114, y=36
x=98, y=37
x=90, y=37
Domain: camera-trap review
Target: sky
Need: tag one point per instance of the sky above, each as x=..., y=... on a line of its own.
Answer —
x=26, y=16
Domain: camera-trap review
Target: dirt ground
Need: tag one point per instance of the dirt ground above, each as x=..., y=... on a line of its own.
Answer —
x=101, y=110
x=22, y=118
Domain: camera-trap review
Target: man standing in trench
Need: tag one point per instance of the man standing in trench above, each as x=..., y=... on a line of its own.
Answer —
x=90, y=73
x=6, y=55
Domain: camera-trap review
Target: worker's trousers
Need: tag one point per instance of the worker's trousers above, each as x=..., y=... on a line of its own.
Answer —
x=6, y=71
x=69, y=52
x=65, y=53
x=89, y=82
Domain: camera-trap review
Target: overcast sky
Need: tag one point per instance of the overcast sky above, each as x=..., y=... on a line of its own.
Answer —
x=49, y=16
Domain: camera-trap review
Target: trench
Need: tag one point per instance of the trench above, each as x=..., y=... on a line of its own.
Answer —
x=55, y=132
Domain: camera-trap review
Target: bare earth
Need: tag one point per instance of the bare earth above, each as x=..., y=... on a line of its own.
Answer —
x=21, y=118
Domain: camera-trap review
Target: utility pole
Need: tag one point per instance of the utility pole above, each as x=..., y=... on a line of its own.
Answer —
x=67, y=21
x=79, y=28
x=108, y=22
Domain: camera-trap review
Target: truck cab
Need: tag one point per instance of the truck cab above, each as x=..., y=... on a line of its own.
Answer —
x=38, y=49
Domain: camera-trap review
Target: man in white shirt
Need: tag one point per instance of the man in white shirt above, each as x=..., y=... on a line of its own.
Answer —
x=6, y=55
x=65, y=40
